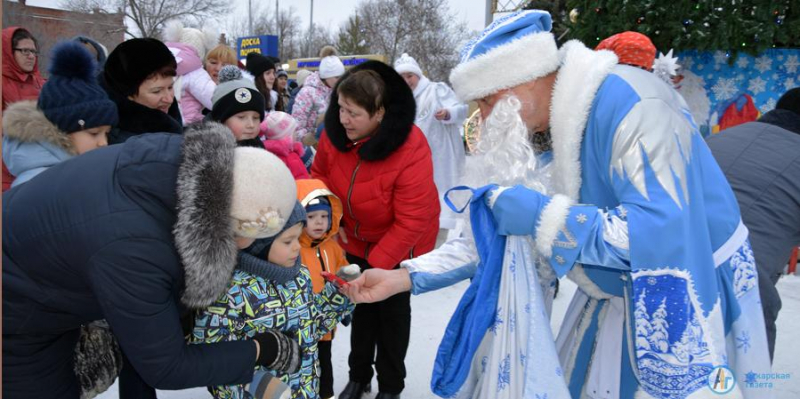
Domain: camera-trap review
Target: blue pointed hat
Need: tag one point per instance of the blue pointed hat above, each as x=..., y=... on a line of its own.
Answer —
x=517, y=48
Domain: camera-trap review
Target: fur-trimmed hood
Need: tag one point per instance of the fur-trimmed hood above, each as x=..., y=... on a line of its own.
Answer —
x=31, y=143
x=203, y=231
x=397, y=122
x=24, y=122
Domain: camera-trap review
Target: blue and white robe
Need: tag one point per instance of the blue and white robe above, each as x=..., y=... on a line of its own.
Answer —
x=645, y=223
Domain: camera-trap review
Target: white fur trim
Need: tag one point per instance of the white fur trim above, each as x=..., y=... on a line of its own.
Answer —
x=585, y=284
x=506, y=66
x=581, y=73
x=583, y=325
x=551, y=221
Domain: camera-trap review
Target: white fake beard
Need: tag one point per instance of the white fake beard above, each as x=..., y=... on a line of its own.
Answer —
x=504, y=153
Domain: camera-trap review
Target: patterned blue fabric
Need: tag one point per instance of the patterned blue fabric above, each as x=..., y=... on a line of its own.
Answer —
x=677, y=219
x=476, y=310
x=253, y=304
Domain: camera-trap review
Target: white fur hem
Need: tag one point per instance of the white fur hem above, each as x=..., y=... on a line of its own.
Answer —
x=552, y=220
x=702, y=393
x=512, y=64
x=585, y=284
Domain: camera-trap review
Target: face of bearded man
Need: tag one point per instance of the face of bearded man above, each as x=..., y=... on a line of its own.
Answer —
x=506, y=153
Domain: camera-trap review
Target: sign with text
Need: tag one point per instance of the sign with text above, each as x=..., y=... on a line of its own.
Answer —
x=265, y=45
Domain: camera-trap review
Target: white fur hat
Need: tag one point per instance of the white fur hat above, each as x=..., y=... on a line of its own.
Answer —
x=331, y=67
x=406, y=63
x=517, y=48
x=264, y=193
x=202, y=41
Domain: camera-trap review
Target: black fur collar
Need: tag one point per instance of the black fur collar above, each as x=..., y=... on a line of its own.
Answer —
x=401, y=109
x=135, y=119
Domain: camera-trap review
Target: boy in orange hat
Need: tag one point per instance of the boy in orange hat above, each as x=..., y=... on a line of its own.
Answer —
x=321, y=253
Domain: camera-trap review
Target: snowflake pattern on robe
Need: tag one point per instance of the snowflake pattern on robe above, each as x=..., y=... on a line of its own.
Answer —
x=674, y=357
x=745, y=276
x=504, y=374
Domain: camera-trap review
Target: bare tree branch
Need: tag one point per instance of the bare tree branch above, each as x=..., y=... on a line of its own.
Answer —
x=149, y=16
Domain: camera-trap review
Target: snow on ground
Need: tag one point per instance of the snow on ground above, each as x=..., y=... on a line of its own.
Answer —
x=431, y=312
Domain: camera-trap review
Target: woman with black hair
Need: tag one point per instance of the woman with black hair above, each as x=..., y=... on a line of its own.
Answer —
x=375, y=159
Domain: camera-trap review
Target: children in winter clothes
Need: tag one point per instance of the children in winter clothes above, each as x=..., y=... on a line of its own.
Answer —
x=238, y=105
x=194, y=86
x=72, y=116
x=300, y=80
x=272, y=289
x=321, y=253
x=313, y=99
x=278, y=129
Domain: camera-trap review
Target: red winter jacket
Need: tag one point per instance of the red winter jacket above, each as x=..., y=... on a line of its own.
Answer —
x=391, y=208
x=18, y=85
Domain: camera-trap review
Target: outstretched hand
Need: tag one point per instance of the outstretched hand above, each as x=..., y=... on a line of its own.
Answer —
x=375, y=285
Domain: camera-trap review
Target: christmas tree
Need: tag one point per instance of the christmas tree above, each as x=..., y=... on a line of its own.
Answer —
x=731, y=25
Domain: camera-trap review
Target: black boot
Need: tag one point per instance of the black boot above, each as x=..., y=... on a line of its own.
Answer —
x=382, y=395
x=354, y=390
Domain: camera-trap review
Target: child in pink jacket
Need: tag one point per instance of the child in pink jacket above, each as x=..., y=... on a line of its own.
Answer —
x=195, y=86
x=277, y=132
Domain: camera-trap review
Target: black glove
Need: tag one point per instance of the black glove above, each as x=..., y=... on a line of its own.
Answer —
x=278, y=351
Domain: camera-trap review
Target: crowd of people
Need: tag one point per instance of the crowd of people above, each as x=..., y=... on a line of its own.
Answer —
x=176, y=217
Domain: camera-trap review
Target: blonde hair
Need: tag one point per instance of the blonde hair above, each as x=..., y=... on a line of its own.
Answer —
x=223, y=54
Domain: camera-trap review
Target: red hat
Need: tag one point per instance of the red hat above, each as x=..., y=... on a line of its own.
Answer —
x=632, y=48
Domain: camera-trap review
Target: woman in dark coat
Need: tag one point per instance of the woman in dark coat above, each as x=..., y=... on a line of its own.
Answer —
x=135, y=234
x=138, y=76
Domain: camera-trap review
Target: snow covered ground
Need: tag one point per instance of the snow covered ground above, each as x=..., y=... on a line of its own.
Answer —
x=431, y=312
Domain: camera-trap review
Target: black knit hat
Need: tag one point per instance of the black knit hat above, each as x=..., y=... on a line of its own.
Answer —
x=133, y=61
x=235, y=93
x=790, y=101
x=71, y=99
x=258, y=64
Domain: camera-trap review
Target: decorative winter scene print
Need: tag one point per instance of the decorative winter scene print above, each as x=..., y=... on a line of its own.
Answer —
x=673, y=351
x=745, y=277
x=720, y=95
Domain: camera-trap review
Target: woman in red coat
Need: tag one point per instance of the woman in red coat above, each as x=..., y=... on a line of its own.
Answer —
x=375, y=159
x=21, y=78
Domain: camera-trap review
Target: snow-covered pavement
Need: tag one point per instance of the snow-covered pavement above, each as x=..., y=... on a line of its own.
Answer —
x=431, y=312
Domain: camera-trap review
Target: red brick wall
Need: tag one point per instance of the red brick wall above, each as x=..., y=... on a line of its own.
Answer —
x=50, y=26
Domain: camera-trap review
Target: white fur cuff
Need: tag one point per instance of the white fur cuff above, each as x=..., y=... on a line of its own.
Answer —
x=506, y=66
x=551, y=221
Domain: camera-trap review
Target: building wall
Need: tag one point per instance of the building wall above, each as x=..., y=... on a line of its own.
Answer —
x=50, y=26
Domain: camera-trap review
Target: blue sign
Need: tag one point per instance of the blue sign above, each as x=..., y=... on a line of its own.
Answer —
x=265, y=45
x=348, y=62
